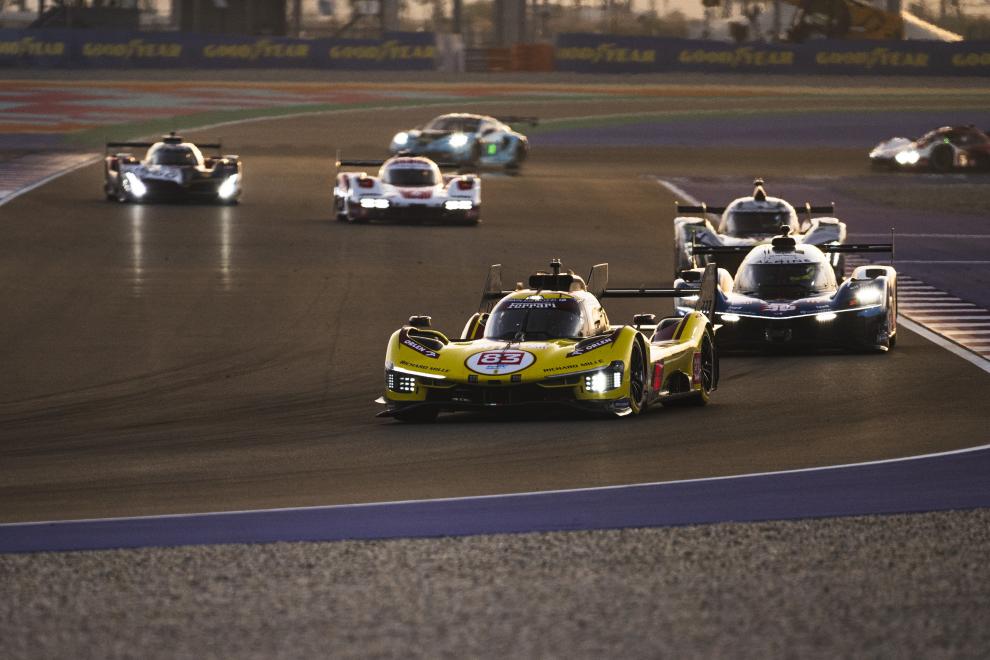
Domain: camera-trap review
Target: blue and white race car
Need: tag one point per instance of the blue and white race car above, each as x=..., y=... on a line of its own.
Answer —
x=173, y=169
x=786, y=294
x=468, y=140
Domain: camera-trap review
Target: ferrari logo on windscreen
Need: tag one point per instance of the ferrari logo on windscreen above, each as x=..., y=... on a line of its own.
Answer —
x=500, y=362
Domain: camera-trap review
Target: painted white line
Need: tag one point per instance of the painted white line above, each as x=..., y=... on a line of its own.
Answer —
x=680, y=192
x=90, y=159
x=947, y=344
x=935, y=319
x=564, y=491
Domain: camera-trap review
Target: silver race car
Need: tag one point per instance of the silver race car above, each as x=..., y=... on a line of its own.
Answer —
x=468, y=140
x=750, y=221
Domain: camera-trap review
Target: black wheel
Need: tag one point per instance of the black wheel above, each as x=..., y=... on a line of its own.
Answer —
x=709, y=376
x=709, y=372
x=942, y=158
x=637, y=379
x=339, y=209
x=121, y=195
x=418, y=415
x=350, y=217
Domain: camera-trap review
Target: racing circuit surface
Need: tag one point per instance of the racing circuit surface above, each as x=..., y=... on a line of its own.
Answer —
x=191, y=358
x=182, y=358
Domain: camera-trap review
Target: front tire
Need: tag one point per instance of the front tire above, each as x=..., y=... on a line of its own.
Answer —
x=638, y=388
x=942, y=158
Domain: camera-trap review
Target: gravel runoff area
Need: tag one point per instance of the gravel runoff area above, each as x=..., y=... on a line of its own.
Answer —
x=895, y=586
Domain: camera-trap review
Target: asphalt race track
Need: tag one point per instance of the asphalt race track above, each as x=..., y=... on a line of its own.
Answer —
x=182, y=358
x=223, y=362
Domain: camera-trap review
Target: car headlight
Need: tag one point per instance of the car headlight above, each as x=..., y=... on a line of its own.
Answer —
x=401, y=138
x=374, y=203
x=825, y=317
x=907, y=157
x=228, y=188
x=868, y=295
x=729, y=318
x=458, y=140
x=399, y=382
x=134, y=185
x=604, y=380
x=457, y=205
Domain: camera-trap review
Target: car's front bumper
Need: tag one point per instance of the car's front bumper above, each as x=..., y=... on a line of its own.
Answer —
x=417, y=213
x=465, y=397
x=848, y=330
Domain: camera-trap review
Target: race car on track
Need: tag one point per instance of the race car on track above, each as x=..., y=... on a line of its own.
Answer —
x=406, y=188
x=172, y=170
x=787, y=294
x=942, y=150
x=551, y=344
x=749, y=221
x=468, y=140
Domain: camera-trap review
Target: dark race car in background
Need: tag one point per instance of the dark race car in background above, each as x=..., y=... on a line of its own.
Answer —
x=468, y=140
x=943, y=150
x=749, y=221
x=786, y=294
x=173, y=169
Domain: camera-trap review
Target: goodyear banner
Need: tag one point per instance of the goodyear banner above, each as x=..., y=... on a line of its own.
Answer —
x=596, y=53
x=106, y=49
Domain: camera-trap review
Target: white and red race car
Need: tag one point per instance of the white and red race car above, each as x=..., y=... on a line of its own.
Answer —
x=942, y=150
x=407, y=188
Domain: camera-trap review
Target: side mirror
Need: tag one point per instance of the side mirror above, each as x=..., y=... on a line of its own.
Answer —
x=644, y=319
x=488, y=131
x=420, y=321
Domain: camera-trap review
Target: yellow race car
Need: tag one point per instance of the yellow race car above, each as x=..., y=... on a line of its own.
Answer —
x=551, y=343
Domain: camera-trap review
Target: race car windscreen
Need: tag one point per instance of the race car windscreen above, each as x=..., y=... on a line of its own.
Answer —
x=784, y=281
x=454, y=124
x=410, y=177
x=172, y=156
x=520, y=320
x=750, y=223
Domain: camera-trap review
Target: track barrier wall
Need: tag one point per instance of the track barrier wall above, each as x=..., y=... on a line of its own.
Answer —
x=81, y=49
x=597, y=53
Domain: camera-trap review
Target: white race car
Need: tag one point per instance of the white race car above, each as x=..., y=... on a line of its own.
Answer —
x=750, y=221
x=407, y=188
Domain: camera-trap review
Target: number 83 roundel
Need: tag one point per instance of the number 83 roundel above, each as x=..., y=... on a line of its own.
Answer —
x=500, y=362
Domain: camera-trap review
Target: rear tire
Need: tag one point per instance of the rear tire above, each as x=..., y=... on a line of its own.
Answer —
x=709, y=372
